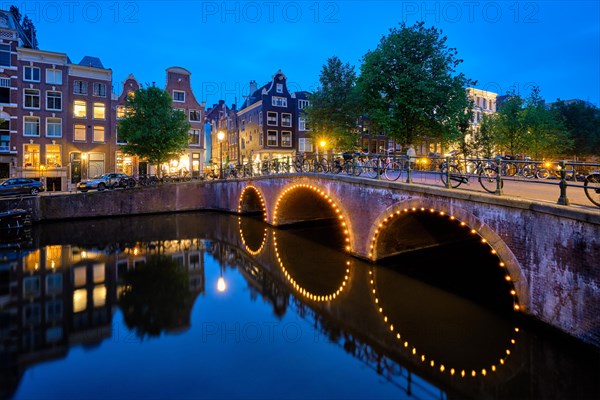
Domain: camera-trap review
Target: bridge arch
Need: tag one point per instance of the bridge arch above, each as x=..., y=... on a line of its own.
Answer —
x=252, y=200
x=301, y=202
x=506, y=259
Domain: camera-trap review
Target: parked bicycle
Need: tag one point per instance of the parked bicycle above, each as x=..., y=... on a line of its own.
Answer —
x=486, y=173
x=591, y=186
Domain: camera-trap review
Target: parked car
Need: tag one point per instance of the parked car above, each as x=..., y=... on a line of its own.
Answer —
x=109, y=180
x=14, y=186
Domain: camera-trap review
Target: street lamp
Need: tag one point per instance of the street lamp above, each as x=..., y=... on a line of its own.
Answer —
x=220, y=137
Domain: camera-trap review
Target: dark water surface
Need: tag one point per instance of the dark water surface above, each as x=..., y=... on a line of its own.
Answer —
x=205, y=305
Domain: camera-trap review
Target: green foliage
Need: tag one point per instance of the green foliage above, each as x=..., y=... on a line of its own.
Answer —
x=30, y=31
x=333, y=109
x=410, y=87
x=582, y=122
x=157, y=297
x=151, y=128
x=527, y=127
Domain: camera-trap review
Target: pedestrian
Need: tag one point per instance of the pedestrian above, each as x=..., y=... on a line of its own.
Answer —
x=411, y=155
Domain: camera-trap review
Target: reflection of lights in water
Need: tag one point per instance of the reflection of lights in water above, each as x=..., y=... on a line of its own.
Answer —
x=248, y=249
x=324, y=196
x=84, y=254
x=394, y=215
x=300, y=289
x=422, y=356
x=221, y=286
x=262, y=202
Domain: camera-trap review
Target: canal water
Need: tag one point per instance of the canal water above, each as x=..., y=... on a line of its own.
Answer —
x=208, y=305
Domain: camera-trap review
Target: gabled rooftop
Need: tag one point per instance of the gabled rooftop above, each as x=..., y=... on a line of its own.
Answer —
x=89, y=61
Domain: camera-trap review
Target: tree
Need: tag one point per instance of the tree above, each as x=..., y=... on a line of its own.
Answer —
x=14, y=10
x=582, y=122
x=410, y=86
x=152, y=129
x=507, y=125
x=333, y=109
x=30, y=31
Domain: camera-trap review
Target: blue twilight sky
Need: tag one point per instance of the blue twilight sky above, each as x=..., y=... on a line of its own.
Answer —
x=504, y=44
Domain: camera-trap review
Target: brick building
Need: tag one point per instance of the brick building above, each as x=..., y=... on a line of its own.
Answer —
x=221, y=118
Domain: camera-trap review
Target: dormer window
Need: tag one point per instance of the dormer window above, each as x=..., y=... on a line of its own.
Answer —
x=279, y=87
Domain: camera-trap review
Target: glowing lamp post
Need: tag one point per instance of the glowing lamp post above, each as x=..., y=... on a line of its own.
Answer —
x=220, y=137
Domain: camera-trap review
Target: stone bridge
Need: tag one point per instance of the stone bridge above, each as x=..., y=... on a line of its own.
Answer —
x=549, y=253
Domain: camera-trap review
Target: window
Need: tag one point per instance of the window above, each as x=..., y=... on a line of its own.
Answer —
x=271, y=118
x=305, y=145
x=5, y=90
x=243, y=125
x=99, y=273
x=4, y=135
x=194, y=115
x=302, y=104
x=99, y=295
x=32, y=126
x=54, y=307
x=279, y=87
x=53, y=158
x=279, y=101
x=5, y=55
x=286, y=139
x=271, y=138
x=54, y=101
x=120, y=111
x=32, y=98
x=260, y=118
x=99, y=89
x=31, y=155
x=54, y=283
x=286, y=119
x=31, y=74
x=302, y=124
x=79, y=133
x=194, y=138
x=53, y=127
x=54, y=76
x=31, y=286
x=179, y=96
x=79, y=300
x=79, y=109
x=98, y=134
x=80, y=87
x=99, y=111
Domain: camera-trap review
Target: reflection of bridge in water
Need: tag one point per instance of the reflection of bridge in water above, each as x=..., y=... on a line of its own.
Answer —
x=356, y=305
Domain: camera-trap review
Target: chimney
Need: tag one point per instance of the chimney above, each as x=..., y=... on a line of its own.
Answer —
x=253, y=87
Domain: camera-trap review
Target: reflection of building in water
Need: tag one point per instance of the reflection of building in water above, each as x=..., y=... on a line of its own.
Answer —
x=58, y=296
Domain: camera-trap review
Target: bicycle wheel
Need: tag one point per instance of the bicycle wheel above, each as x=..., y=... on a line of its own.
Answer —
x=591, y=186
x=324, y=165
x=370, y=168
x=509, y=169
x=487, y=179
x=392, y=171
x=542, y=173
x=528, y=171
x=456, y=178
x=358, y=168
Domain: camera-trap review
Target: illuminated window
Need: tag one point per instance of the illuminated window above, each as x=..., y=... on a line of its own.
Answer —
x=131, y=95
x=80, y=87
x=98, y=134
x=54, y=76
x=99, y=111
x=286, y=119
x=54, y=100
x=99, y=273
x=121, y=112
x=31, y=126
x=31, y=157
x=79, y=276
x=53, y=127
x=271, y=138
x=79, y=300
x=79, y=133
x=31, y=74
x=99, y=89
x=194, y=138
x=99, y=296
x=79, y=109
x=32, y=98
x=53, y=158
x=286, y=139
